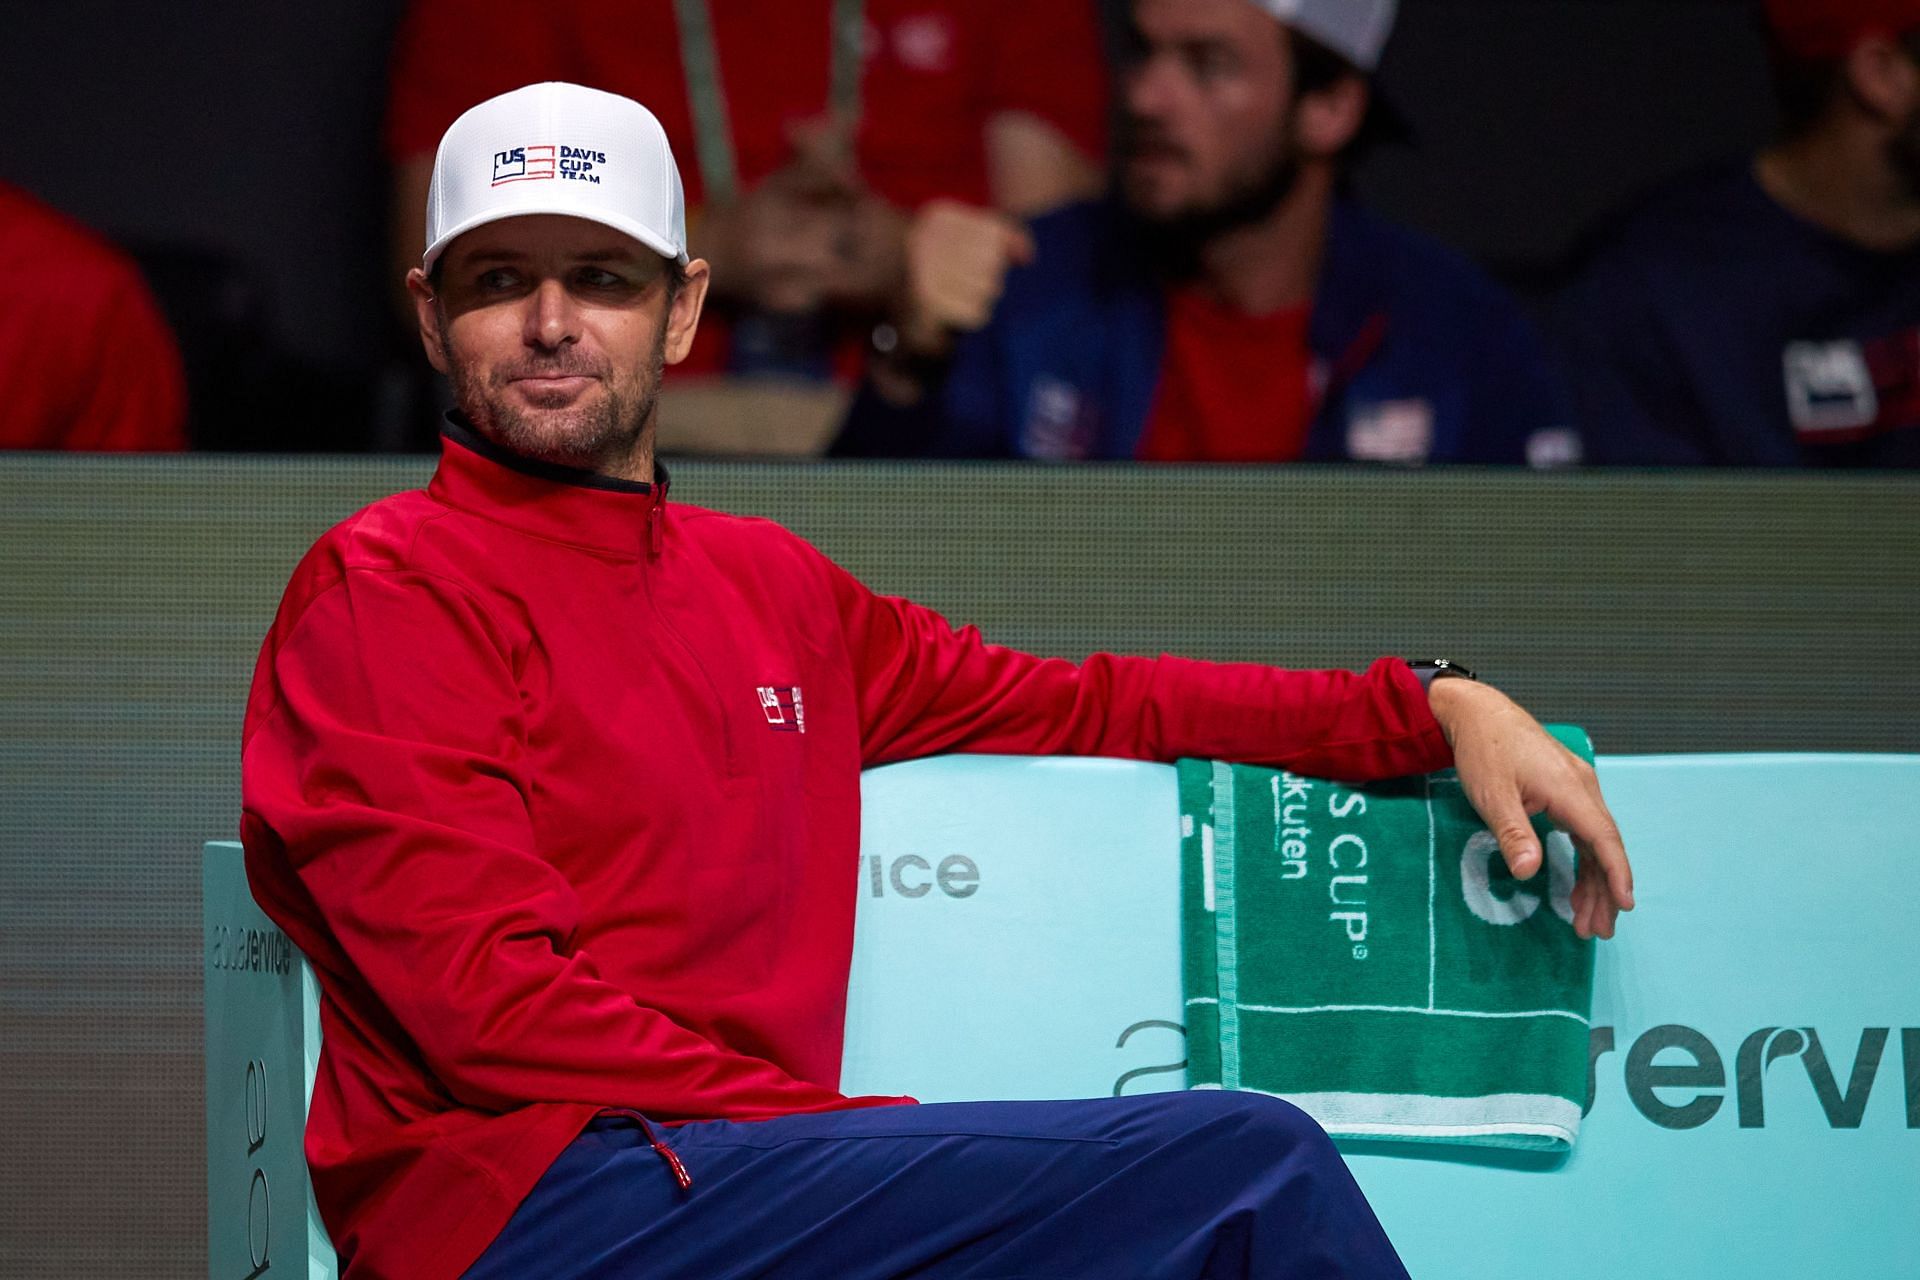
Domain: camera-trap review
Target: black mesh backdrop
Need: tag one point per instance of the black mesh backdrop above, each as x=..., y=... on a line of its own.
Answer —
x=1666, y=613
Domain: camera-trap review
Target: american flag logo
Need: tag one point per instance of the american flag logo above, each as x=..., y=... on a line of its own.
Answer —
x=783, y=707
x=523, y=164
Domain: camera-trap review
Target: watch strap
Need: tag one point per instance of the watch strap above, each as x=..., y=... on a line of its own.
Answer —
x=1430, y=669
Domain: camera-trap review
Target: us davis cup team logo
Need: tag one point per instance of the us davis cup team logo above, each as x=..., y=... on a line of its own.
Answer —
x=543, y=163
x=783, y=707
x=524, y=164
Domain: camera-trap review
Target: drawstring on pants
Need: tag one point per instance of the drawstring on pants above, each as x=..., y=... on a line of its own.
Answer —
x=661, y=1149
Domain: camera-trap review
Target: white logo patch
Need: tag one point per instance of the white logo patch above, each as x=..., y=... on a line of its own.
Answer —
x=1829, y=387
x=1554, y=447
x=1399, y=431
x=1057, y=429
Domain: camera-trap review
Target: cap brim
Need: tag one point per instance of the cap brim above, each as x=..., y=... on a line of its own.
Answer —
x=625, y=226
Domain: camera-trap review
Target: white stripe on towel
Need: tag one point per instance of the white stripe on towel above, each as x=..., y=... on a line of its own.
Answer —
x=1416, y=1115
x=1401, y=1008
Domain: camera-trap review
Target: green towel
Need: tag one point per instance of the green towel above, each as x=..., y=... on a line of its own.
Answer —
x=1363, y=952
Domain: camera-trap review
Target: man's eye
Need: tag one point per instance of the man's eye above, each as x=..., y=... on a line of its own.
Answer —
x=596, y=278
x=1209, y=63
x=498, y=279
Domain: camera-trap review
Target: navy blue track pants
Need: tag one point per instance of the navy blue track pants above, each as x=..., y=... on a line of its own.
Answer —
x=1205, y=1184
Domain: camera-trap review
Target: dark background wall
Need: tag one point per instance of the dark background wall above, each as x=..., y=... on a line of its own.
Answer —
x=1534, y=118
x=252, y=131
x=249, y=127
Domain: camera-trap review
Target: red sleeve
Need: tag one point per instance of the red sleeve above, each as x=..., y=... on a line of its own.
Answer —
x=451, y=54
x=385, y=767
x=1046, y=57
x=134, y=397
x=926, y=688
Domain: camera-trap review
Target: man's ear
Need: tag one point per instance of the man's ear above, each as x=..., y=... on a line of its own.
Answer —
x=1327, y=120
x=427, y=314
x=1883, y=78
x=683, y=318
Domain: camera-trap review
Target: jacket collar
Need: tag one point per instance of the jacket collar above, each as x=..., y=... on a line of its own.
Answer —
x=577, y=508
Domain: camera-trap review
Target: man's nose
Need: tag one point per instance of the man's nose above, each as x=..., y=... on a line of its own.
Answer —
x=552, y=319
x=1150, y=88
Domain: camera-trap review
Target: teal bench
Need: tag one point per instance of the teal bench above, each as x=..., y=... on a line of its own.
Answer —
x=1755, y=1039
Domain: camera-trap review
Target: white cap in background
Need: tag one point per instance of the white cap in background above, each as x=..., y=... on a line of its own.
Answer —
x=557, y=148
x=1354, y=29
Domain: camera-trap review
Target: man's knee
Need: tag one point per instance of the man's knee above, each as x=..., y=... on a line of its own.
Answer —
x=1242, y=1122
x=1266, y=1119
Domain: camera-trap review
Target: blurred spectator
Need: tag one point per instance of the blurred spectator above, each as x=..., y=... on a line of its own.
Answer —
x=1770, y=315
x=809, y=132
x=86, y=361
x=1231, y=304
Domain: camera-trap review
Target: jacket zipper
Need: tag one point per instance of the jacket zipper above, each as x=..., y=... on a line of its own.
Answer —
x=656, y=537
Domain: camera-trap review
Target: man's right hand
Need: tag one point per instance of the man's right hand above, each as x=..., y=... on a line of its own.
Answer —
x=958, y=256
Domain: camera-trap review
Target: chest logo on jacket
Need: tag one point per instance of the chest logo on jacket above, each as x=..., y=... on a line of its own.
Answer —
x=1843, y=391
x=1396, y=431
x=785, y=709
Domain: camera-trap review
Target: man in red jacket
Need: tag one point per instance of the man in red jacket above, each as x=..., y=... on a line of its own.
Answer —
x=582, y=907
x=87, y=362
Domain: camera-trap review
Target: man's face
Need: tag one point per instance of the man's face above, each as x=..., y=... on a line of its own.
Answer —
x=555, y=332
x=1208, y=96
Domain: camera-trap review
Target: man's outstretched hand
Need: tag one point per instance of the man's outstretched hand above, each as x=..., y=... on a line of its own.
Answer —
x=1511, y=768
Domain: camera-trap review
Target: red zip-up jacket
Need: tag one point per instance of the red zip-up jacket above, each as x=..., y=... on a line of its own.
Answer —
x=558, y=787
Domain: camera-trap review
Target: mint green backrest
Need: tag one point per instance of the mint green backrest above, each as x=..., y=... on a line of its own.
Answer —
x=263, y=1045
x=1756, y=1025
x=1756, y=1029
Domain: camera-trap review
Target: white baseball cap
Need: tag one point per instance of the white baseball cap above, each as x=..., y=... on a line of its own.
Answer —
x=1355, y=29
x=557, y=148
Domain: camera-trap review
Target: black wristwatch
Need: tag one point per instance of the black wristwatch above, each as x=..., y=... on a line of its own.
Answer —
x=1431, y=669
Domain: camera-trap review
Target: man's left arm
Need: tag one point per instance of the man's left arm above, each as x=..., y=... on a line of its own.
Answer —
x=925, y=688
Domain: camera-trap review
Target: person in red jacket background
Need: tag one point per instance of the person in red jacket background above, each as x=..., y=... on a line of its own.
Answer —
x=818, y=130
x=86, y=359
x=557, y=785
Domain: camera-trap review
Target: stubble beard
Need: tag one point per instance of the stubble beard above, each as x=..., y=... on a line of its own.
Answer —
x=604, y=434
x=1177, y=237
